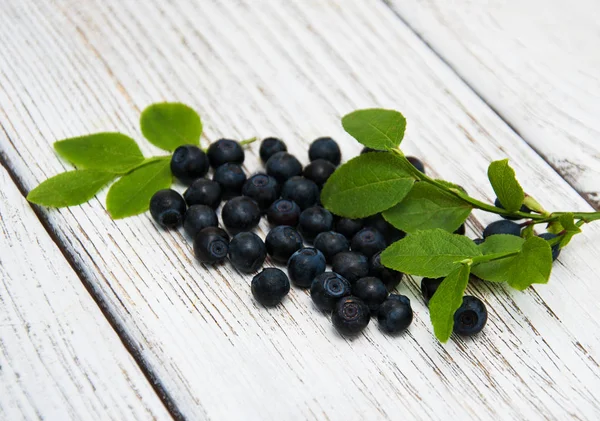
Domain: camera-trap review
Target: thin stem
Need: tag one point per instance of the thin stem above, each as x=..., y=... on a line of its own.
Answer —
x=248, y=141
x=149, y=161
x=491, y=257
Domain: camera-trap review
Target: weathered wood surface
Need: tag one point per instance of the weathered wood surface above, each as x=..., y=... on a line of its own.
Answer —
x=59, y=357
x=290, y=69
x=536, y=62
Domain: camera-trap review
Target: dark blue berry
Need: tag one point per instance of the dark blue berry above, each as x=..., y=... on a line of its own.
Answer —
x=240, y=214
x=371, y=290
x=203, y=192
x=231, y=177
x=325, y=148
x=390, y=232
x=247, y=252
x=351, y=265
x=350, y=315
x=327, y=288
x=302, y=191
x=416, y=163
x=167, y=208
x=395, y=314
x=319, y=171
x=270, y=286
x=523, y=209
x=471, y=316
x=555, y=248
x=314, y=221
x=199, y=217
x=225, y=151
x=263, y=189
x=269, y=147
x=348, y=227
x=368, y=241
x=390, y=277
x=461, y=230
x=478, y=241
x=429, y=286
x=211, y=245
x=282, y=166
x=305, y=265
x=284, y=212
x=283, y=241
x=188, y=163
x=502, y=227
x=331, y=243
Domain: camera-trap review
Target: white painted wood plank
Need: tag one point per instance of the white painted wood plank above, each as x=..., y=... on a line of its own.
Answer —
x=536, y=62
x=290, y=69
x=59, y=357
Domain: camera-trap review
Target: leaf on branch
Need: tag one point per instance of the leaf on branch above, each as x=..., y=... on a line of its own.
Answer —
x=505, y=185
x=532, y=265
x=366, y=185
x=169, y=125
x=432, y=253
x=112, y=152
x=568, y=222
x=446, y=300
x=497, y=270
x=69, y=188
x=376, y=128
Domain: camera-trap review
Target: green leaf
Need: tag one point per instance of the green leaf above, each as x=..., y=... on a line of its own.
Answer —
x=528, y=232
x=432, y=253
x=69, y=188
x=532, y=265
x=170, y=124
x=555, y=227
x=497, y=270
x=568, y=222
x=112, y=152
x=428, y=207
x=366, y=185
x=131, y=194
x=446, y=300
x=507, y=188
x=376, y=128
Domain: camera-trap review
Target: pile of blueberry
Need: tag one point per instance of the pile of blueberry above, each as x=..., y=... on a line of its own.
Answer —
x=357, y=287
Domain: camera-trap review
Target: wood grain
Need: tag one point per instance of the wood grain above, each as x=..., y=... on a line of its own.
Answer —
x=290, y=69
x=536, y=63
x=59, y=357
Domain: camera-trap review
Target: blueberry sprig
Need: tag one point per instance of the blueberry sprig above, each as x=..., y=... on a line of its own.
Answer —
x=383, y=180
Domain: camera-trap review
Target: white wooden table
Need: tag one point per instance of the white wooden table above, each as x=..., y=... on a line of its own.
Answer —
x=103, y=319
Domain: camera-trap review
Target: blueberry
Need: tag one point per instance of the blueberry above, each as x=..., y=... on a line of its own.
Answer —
x=371, y=290
x=203, y=192
x=390, y=277
x=199, y=217
x=395, y=314
x=319, y=171
x=351, y=265
x=478, y=241
x=302, y=191
x=305, y=265
x=231, y=177
x=471, y=316
x=269, y=147
x=283, y=241
x=555, y=248
x=270, y=286
x=348, y=227
x=350, y=315
x=368, y=241
x=263, y=189
x=284, y=212
x=325, y=148
x=390, y=232
x=314, y=221
x=461, y=230
x=416, y=163
x=211, y=245
x=282, y=166
x=240, y=214
x=502, y=227
x=167, y=208
x=523, y=209
x=429, y=286
x=327, y=288
x=247, y=252
x=331, y=243
x=225, y=151
x=188, y=163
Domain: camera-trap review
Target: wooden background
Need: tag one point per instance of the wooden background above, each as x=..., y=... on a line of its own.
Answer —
x=103, y=319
